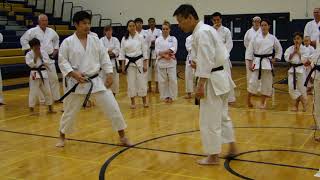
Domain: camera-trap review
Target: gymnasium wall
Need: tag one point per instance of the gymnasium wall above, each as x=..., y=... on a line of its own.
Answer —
x=120, y=11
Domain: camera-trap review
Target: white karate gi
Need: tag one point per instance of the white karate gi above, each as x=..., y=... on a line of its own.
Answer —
x=167, y=69
x=73, y=56
x=310, y=50
x=262, y=45
x=36, y=84
x=209, y=52
x=250, y=34
x=114, y=45
x=152, y=36
x=49, y=42
x=316, y=61
x=312, y=30
x=226, y=37
x=144, y=34
x=300, y=72
x=189, y=72
x=137, y=81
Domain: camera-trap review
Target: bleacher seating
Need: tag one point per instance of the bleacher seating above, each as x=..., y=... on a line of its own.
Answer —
x=15, y=19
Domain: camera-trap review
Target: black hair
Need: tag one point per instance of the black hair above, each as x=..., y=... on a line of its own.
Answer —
x=126, y=36
x=80, y=16
x=151, y=19
x=297, y=34
x=216, y=14
x=34, y=42
x=138, y=20
x=267, y=21
x=185, y=10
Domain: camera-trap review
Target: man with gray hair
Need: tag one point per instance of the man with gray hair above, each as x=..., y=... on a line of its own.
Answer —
x=312, y=28
x=49, y=40
x=250, y=34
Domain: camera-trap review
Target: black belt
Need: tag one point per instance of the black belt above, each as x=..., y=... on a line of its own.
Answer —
x=133, y=60
x=294, y=74
x=51, y=56
x=73, y=89
x=117, y=67
x=316, y=67
x=39, y=69
x=150, y=56
x=220, y=68
x=262, y=56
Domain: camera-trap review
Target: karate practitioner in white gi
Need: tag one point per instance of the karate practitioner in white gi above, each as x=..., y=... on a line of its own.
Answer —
x=189, y=72
x=152, y=34
x=112, y=46
x=261, y=59
x=38, y=61
x=296, y=55
x=250, y=34
x=50, y=44
x=81, y=57
x=214, y=84
x=166, y=46
x=134, y=52
x=226, y=37
x=310, y=49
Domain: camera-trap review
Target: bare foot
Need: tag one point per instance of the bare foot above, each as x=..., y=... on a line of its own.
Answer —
x=250, y=105
x=125, y=142
x=294, y=109
x=50, y=110
x=31, y=109
x=146, y=105
x=188, y=96
x=133, y=106
x=304, y=104
x=208, y=161
x=263, y=106
x=60, y=143
x=166, y=100
x=317, y=139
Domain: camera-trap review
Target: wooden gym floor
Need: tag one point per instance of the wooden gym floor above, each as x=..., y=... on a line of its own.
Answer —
x=273, y=143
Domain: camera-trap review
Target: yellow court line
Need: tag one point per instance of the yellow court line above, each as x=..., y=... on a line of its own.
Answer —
x=160, y=172
x=270, y=110
x=11, y=177
x=10, y=94
x=277, y=146
x=75, y=159
x=235, y=80
x=305, y=142
x=17, y=117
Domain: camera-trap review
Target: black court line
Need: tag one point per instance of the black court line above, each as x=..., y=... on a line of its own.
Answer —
x=113, y=144
x=228, y=161
x=104, y=167
x=108, y=162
